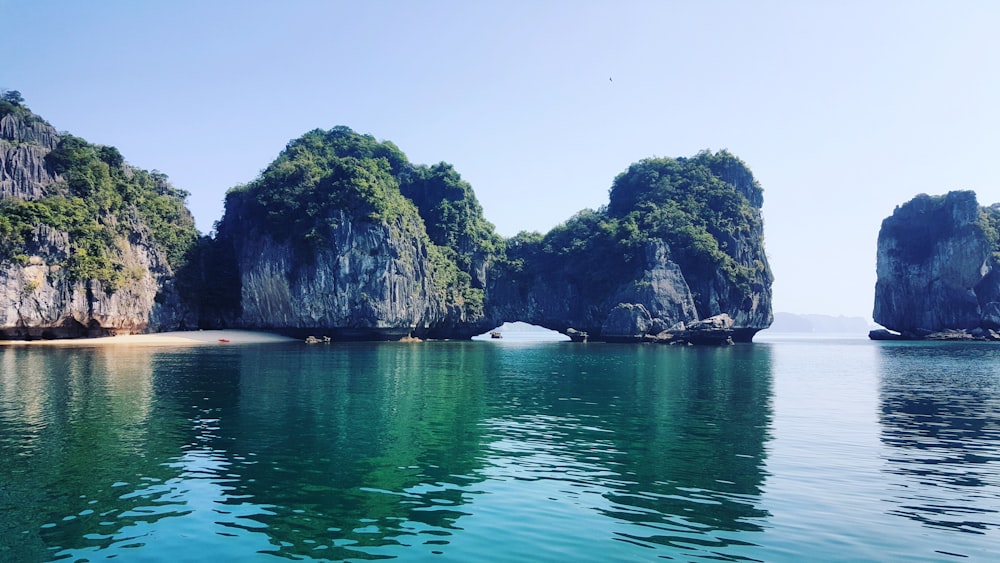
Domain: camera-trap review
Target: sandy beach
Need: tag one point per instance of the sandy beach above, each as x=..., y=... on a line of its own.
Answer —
x=193, y=337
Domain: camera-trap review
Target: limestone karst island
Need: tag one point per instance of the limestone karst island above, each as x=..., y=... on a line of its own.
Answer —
x=938, y=276
x=342, y=236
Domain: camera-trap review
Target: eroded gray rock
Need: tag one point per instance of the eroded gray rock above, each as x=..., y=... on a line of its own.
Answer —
x=936, y=271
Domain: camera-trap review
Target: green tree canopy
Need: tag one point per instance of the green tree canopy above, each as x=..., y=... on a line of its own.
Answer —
x=298, y=197
x=11, y=101
x=452, y=214
x=12, y=96
x=323, y=172
x=700, y=207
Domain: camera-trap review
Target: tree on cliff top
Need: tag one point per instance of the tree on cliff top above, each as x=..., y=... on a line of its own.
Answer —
x=12, y=96
x=11, y=101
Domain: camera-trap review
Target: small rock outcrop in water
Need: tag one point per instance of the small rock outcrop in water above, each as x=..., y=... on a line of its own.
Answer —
x=937, y=269
x=86, y=241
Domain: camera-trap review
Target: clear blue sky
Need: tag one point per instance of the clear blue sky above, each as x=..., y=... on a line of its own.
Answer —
x=843, y=110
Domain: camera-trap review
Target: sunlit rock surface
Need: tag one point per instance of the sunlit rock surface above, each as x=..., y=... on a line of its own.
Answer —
x=936, y=268
x=37, y=297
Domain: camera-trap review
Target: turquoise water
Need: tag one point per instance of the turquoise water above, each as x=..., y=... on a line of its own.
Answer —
x=784, y=450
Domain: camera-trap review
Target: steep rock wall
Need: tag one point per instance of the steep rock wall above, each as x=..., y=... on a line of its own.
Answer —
x=659, y=287
x=935, y=267
x=368, y=280
x=554, y=302
x=40, y=297
x=39, y=300
x=25, y=139
x=342, y=236
x=749, y=306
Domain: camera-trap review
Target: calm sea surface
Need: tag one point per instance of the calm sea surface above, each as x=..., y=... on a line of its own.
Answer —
x=510, y=450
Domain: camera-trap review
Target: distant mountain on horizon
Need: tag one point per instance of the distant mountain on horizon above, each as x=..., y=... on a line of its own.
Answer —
x=819, y=324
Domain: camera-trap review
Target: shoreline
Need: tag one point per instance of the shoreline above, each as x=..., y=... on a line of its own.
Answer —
x=173, y=338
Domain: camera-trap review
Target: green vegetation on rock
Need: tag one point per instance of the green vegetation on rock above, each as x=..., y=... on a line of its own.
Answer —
x=693, y=205
x=682, y=234
x=321, y=172
x=701, y=207
x=452, y=214
x=97, y=200
x=300, y=197
x=11, y=101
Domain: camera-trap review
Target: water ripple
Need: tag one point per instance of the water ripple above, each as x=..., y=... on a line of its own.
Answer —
x=940, y=417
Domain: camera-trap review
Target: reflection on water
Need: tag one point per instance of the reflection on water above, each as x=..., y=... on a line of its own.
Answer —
x=669, y=447
x=358, y=451
x=70, y=424
x=501, y=451
x=940, y=417
x=379, y=442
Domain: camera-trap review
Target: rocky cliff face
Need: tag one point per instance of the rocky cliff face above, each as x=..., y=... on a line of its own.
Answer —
x=556, y=301
x=365, y=282
x=342, y=236
x=326, y=244
x=657, y=298
x=25, y=139
x=936, y=267
x=38, y=299
x=42, y=254
x=680, y=243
